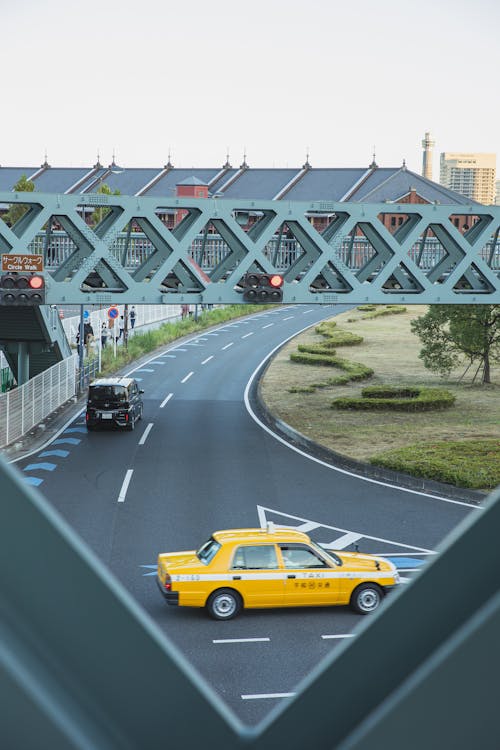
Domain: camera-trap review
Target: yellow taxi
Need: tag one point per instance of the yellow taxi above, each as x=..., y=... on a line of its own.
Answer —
x=271, y=567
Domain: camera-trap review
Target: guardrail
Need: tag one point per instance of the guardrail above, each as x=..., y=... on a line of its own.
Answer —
x=26, y=406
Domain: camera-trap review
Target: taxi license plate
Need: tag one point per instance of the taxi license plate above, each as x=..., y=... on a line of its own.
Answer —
x=106, y=415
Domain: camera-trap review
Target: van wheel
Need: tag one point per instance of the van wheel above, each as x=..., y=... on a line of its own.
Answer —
x=224, y=604
x=366, y=598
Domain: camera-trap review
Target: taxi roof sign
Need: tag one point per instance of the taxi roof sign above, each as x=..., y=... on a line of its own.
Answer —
x=21, y=263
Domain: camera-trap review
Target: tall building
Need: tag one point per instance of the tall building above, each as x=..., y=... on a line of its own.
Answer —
x=472, y=175
x=427, y=144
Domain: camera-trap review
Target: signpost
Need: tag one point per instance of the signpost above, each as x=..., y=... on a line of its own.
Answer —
x=22, y=263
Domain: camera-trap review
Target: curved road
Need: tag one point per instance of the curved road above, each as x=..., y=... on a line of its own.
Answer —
x=199, y=461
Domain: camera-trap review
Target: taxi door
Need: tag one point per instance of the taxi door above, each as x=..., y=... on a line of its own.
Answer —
x=309, y=580
x=256, y=574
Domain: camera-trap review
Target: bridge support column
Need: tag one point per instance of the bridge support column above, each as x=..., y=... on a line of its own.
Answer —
x=23, y=362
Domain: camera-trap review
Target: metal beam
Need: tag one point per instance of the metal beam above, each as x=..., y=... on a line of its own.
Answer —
x=474, y=255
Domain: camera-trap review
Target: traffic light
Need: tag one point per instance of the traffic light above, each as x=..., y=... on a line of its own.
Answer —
x=262, y=287
x=22, y=289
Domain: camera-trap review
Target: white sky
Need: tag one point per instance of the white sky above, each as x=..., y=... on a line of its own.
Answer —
x=278, y=78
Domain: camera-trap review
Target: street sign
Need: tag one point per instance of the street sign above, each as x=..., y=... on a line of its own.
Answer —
x=86, y=314
x=113, y=312
x=22, y=263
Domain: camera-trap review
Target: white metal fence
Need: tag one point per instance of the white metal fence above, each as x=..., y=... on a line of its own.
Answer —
x=29, y=404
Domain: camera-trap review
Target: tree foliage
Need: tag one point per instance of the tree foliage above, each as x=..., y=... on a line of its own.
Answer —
x=451, y=334
x=16, y=210
x=99, y=213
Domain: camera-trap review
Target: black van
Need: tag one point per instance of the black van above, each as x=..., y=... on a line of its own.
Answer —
x=114, y=402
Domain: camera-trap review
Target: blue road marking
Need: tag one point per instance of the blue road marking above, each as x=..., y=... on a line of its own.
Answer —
x=179, y=350
x=59, y=453
x=158, y=362
x=170, y=356
x=45, y=467
x=406, y=562
x=145, y=369
x=33, y=480
x=69, y=441
x=75, y=429
x=153, y=572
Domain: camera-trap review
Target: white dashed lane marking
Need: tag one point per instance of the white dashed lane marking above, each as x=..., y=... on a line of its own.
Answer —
x=227, y=345
x=187, y=376
x=268, y=325
x=241, y=640
x=207, y=360
x=343, y=635
x=166, y=400
x=124, y=488
x=261, y=696
x=247, y=335
x=146, y=433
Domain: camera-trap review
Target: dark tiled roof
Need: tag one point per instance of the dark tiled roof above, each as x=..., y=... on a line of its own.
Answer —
x=59, y=179
x=128, y=181
x=261, y=184
x=325, y=184
x=398, y=183
x=10, y=175
x=373, y=185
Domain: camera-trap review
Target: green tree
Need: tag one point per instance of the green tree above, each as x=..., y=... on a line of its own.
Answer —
x=453, y=333
x=16, y=210
x=99, y=213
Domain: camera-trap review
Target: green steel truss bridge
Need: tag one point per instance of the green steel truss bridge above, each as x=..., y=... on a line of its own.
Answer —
x=118, y=249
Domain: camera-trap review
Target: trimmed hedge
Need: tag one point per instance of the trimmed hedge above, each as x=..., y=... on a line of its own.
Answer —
x=355, y=370
x=387, y=310
x=474, y=464
x=390, y=391
x=425, y=399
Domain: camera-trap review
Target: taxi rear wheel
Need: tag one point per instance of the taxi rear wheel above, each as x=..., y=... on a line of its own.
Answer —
x=224, y=604
x=366, y=598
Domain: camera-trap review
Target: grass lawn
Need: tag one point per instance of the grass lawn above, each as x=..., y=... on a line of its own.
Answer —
x=391, y=350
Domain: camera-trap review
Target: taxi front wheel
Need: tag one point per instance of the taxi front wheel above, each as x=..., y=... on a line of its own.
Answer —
x=224, y=604
x=366, y=598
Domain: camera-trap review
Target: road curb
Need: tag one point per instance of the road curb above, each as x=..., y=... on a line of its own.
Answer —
x=337, y=460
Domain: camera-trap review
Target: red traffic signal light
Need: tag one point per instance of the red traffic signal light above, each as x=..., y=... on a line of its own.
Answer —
x=22, y=289
x=262, y=287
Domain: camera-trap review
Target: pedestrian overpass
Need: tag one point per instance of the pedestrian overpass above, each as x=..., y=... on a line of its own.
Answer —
x=105, y=249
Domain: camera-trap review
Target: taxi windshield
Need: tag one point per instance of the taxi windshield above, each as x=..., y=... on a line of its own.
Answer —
x=328, y=552
x=207, y=551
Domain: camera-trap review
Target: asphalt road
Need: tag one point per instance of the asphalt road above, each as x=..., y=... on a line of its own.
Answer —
x=198, y=462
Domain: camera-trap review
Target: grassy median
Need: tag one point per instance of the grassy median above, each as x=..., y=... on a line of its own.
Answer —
x=300, y=395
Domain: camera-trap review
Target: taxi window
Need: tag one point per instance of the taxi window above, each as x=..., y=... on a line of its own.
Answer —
x=295, y=556
x=208, y=550
x=252, y=557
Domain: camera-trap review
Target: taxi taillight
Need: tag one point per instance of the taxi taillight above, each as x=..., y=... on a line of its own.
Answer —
x=167, y=583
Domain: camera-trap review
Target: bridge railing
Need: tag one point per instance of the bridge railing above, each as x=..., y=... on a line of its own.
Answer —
x=209, y=251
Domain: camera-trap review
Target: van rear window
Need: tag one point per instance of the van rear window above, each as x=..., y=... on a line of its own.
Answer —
x=107, y=392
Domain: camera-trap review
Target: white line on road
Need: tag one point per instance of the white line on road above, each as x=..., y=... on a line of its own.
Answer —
x=344, y=635
x=259, y=696
x=187, y=376
x=307, y=311
x=126, y=482
x=166, y=400
x=268, y=325
x=239, y=640
x=227, y=345
x=247, y=335
x=289, y=317
x=146, y=433
x=207, y=359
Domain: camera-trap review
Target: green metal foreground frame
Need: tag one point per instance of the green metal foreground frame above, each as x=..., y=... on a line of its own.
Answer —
x=81, y=666
x=466, y=270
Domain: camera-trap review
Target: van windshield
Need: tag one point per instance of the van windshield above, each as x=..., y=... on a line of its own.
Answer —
x=99, y=393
